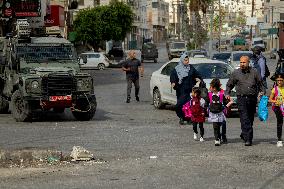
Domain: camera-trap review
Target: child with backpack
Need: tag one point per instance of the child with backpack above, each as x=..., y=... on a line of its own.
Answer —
x=276, y=98
x=217, y=104
x=197, y=104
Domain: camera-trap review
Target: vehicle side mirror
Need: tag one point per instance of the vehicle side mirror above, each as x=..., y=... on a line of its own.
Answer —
x=229, y=59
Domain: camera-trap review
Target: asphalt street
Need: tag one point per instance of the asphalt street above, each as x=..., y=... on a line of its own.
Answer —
x=141, y=147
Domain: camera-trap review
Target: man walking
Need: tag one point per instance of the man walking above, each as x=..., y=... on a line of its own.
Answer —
x=132, y=66
x=249, y=86
x=259, y=62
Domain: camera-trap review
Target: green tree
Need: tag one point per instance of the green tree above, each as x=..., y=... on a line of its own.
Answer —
x=199, y=30
x=102, y=23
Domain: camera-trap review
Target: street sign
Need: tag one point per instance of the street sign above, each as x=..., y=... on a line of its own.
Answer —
x=20, y=8
x=251, y=21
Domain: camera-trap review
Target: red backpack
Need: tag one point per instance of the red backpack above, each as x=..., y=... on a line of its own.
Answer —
x=196, y=108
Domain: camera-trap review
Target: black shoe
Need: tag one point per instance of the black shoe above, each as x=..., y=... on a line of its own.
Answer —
x=242, y=137
x=248, y=143
x=181, y=121
x=224, y=140
x=128, y=100
x=137, y=98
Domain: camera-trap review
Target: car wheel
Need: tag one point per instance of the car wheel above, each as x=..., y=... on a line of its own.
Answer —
x=157, y=101
x=101, y=66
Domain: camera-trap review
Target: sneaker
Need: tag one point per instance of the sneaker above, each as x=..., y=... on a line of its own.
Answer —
x=128, y=100
x=217, y=143
x=195, y=136
x=279, y=144
x=137, y=98
x=201, y=139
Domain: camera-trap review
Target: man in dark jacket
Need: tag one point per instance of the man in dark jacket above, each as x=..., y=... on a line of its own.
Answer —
x=183, y=78
x=132, y=66
x=249, y=86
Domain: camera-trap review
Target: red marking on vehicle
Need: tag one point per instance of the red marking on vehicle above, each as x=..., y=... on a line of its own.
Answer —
x=60, y=98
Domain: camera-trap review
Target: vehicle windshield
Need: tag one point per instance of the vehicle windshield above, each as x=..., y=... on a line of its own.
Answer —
x=258, y=42
x=237, y=56
x=221, y=56
x=45, y=52
x=178, y=45
x=213, y=70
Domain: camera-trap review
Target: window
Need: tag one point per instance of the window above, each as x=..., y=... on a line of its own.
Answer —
x=167, y=70
x=155, y=4
x=81, y=2
x=94, y=56
x=281, y=16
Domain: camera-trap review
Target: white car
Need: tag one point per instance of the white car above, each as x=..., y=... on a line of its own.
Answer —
x=160, y=86
x=94, y=60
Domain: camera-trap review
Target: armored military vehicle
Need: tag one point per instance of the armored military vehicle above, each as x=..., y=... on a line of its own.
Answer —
x=42, y=74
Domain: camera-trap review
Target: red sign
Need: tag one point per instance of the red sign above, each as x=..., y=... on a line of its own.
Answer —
x=60, y=98
x=22, y=8
x=56, y=17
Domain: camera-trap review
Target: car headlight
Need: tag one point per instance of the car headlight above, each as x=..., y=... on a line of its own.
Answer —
x=35, y=84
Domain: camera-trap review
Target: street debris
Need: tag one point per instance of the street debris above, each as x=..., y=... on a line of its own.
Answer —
x=81, y=154
x=153, y=157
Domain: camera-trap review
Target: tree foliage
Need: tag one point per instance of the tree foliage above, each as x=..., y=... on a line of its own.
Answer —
x=109, y=22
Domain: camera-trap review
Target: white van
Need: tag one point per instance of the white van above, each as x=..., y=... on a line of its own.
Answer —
x=258, y=41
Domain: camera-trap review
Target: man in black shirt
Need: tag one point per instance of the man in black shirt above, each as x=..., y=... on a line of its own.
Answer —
x=132, y=66
x=249, y=86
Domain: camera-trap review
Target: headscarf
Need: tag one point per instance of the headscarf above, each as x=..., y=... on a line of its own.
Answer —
x=181, y=69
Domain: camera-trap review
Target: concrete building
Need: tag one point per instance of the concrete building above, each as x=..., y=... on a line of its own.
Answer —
x=158, y=17
x=274, y=23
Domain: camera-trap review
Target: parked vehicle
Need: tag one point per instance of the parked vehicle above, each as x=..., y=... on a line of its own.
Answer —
x=240, y=44
x=116, y=55
x=273, y=53
x=197, y=53
x=176, y=49
x=149, y=52
x=160, y=86
x=222, y=56
x=234, y=60
x=258, y=42
x=94, y=60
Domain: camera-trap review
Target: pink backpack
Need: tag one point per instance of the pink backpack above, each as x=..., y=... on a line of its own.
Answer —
x=186, y=109
x=226, y=110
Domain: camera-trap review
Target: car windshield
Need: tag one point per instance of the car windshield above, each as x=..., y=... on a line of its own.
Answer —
x=237, y=56
x=42, y=52
x=213, y=70
x=258, y=42
x=178, y=45
x=221, y=56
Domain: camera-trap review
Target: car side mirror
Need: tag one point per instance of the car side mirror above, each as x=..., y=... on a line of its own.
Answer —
x=229, y=59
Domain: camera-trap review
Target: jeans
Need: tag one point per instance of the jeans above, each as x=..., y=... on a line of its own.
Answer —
x=129, y=86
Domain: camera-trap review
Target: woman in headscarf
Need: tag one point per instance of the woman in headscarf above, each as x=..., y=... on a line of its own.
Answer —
x=183, y=79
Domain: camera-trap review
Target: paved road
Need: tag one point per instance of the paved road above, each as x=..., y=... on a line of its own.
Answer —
x=127, y=135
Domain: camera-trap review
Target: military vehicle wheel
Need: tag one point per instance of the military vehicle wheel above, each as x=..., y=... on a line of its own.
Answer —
x=155, y=60
x=58, y=110
x=101, y=66
x=4, y=105
x=85, y=109
x=20, y=108
x=157, y=101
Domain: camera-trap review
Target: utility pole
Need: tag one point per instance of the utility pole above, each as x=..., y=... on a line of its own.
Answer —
x=211, y=29
x=252, y=14
x=220, y=25
x=272, y=12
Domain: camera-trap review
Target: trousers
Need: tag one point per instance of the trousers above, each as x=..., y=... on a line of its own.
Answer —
x=247, y=109
x=279, y=117
x=129, y=86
